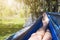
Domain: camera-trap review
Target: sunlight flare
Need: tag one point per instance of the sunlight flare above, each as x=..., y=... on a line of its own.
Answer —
x=10, y=2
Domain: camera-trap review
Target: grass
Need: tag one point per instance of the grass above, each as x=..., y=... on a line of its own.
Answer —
x=6, y=32
x=8, y=27
x=4, y=37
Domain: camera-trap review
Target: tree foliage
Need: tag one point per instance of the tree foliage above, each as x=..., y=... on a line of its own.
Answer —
x=35, y=7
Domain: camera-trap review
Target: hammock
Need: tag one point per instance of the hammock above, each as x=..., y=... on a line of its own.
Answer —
x=54, y=27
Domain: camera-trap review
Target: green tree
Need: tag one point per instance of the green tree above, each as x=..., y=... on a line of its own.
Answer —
x=35, y=7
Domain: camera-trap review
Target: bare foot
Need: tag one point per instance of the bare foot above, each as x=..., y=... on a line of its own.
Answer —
x=45, y=19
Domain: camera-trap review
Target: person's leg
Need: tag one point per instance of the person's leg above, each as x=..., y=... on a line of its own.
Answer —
x=41, y=33
x=42, y=30
x=47, y=35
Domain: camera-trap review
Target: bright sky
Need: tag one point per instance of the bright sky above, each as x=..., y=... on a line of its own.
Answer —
x=12, y=4
x=14, y=7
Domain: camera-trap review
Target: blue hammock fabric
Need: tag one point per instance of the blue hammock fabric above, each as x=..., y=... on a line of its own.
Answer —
x=53, y=27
